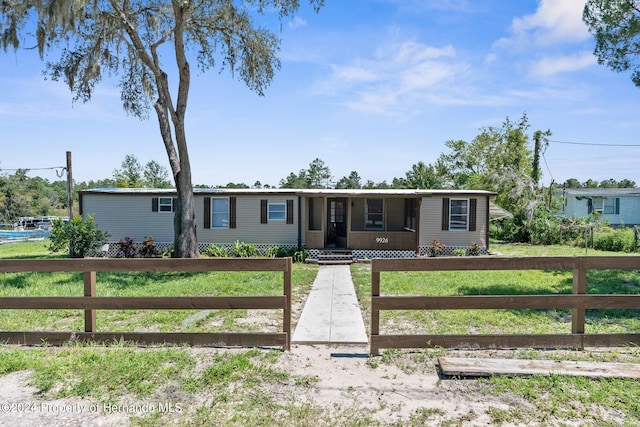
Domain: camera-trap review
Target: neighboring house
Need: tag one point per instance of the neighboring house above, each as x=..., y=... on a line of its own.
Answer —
x=371, y=223
x=617, y=206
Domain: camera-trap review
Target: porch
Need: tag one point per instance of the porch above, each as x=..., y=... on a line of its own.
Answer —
x=362, y=223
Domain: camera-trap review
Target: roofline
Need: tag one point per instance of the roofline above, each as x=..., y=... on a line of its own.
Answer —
x=292, y=191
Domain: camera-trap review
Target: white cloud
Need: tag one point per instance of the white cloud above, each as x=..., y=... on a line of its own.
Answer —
x=555, y=21
x=399, y=79
x=558, y=64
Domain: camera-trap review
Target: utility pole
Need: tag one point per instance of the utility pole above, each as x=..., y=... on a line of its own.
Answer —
x=69, y=186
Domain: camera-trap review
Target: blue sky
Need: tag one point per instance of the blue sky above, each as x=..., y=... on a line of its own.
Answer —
x=367, y=85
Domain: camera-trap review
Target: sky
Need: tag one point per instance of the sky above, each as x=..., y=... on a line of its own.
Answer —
x=372, y=86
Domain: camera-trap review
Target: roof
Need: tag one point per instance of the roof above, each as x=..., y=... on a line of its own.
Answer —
x=496, y=211
x=603, y=192
x=297, y=192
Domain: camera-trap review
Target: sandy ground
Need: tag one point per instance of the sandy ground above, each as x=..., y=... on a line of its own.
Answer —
x=343, y=379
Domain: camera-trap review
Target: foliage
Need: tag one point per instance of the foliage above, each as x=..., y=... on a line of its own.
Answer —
x=424, y=177
x=615, y=240
x=79, y=236
x=473, y=249
x=243, y=250
x=459, y=252
x=216, y=251
x=21, y=195
x=353, y=181
x=616, y=27
x=148, y=248
x=272, y=252
x=127, y=247
x=317, y=176
x=141, y=42
x=300, y=255
x=436, y=248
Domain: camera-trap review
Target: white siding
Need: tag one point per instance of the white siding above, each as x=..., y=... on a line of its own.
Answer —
x=629, y=209
x=123, y=215
x=431, y=224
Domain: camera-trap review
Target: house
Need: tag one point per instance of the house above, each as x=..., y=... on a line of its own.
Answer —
x=370, y=223
x=617, y=206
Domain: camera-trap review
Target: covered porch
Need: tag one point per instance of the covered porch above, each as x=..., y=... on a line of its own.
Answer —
x=372, y=221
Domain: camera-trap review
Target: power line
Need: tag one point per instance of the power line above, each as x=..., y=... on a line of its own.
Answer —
x=596, y=144
x=59, y=170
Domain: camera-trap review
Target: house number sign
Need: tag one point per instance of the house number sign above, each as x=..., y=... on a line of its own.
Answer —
x=383, y=240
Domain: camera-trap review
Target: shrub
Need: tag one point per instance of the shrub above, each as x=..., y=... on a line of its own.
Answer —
x=460, y=252
x=473, y=249
x=216, y=251
x=244, y=250
x=79, y=236
x=615, y=240
x=300, y=255
x=272, y=252
x=148, y=249
x=127, y=247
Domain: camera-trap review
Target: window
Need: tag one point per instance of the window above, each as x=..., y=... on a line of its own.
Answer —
x=609, y=205
x=277, y=211
x=458, y=215
x=165, y=204
x=219, y=212
x=162, y=204
x=374, y=214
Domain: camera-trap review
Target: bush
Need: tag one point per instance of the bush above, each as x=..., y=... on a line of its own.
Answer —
x=216, y=251
x=127, y=247
x=615, y=240
x=300, y=255
x=272, y=252
x=244, y=250
x=79, y=236
x=148, y=249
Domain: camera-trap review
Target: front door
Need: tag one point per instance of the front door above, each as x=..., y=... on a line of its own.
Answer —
x=337, y=223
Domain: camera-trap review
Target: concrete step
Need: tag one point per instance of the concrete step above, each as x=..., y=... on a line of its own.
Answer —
x=335, y=257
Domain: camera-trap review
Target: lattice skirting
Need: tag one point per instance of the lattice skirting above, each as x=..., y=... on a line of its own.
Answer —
x=112, y=250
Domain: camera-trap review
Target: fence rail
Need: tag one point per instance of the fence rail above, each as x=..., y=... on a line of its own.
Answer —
x=578, y=302
x=90, y=302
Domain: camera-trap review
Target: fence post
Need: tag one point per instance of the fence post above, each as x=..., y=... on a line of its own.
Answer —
x=579, y=287
x=375, y=313
x=90, y=291
x=286, y=321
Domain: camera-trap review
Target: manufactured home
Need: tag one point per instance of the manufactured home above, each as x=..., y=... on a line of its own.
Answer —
x=370, y=223
x=617, y=206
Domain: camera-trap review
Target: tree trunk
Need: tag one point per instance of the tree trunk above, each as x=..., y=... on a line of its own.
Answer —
x=185, y=243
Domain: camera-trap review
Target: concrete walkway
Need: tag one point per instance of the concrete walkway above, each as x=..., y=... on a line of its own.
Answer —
x=331, y=313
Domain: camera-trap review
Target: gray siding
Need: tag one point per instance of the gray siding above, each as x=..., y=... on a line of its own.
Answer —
x=124, y=215
x=431, y=224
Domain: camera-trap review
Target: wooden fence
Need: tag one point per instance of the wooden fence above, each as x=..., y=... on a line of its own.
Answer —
x=90, y=302
x=578, y=302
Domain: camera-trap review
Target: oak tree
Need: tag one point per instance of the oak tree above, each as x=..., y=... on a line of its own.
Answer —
x=148, y=43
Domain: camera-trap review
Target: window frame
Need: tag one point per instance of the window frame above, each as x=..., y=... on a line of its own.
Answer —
x=162, y=207
x=282, y=212
x=214, y=213
x=367, y=220
x=459, y=216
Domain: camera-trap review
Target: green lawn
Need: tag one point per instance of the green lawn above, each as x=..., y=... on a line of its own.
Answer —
x=239, y=384
x=527, y=282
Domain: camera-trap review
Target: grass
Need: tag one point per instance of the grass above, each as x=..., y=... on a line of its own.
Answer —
x=240, y=387
x=527, y=282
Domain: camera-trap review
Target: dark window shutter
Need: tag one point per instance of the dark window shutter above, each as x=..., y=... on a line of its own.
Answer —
x=289, y=211
x=445, y=214
x=232, y=212
x=473, y=210
x=207, y=212
x=617, y=211
x=174, y=204
x=263, y=211
x=589, y=206
x=154, y=204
